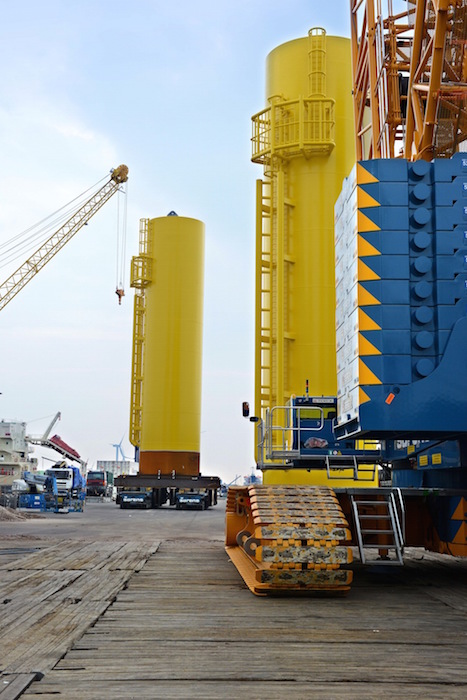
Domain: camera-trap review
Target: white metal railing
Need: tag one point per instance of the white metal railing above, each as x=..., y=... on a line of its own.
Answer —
x=279, y=435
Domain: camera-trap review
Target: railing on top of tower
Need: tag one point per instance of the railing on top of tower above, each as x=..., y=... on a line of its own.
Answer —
x=303, y=126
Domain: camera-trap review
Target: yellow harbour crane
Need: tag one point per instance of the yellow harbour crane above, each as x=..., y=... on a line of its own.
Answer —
x=24, y=274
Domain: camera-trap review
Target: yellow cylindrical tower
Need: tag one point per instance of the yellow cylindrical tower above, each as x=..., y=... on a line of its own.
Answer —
x=305, y=141
x=167, y=362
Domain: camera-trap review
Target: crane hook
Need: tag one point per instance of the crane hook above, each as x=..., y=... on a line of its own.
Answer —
x=120, y=293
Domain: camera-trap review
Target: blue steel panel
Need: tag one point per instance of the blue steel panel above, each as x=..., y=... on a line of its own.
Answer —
x=443, y=338
x=449, y=452
x=423, y=291
x=446, y=316
x=422, y=316
x=422, y=268
x=390, y=317
x=448, y=266
x=445, y=169
x=423, y=342
x=388, y=193
x=423, y=366
x=388, y=242
x=388, y=170
x=422, y=242
x=420, y=171
x=394, y=267
x=447, y=242
x=446, y=193
x=448, y=217
x=388, y=291
x=434, y=405
x=390, y=369
x=389, y=342
x=396, y=218
x=421, y=217
x=421, y=194
x=407, y=478
x=450, y=291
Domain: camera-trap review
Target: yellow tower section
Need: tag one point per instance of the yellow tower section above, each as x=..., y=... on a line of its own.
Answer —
x=305, y=141
x=168, y=276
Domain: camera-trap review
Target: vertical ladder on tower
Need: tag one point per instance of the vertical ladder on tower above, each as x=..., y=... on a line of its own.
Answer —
x=380, y=524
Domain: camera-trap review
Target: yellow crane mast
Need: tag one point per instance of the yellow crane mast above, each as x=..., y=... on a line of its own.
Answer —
x=409, y=78
x=24, y=274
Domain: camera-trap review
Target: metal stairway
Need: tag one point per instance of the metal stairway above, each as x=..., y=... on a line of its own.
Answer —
x=380, y=524
x=362, y=470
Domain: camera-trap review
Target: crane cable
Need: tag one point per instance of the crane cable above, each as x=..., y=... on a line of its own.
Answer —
x=121, y=244
x=15, y=247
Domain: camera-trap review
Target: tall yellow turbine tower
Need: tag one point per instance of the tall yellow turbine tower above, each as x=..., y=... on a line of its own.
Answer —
x=168, y=275
x=304, y=139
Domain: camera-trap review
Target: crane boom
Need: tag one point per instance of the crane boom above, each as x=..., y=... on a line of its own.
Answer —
x=409, y=78
x=57, y=240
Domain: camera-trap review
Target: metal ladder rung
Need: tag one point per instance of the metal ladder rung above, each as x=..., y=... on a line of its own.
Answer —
x=371, y=503
x=391, y=517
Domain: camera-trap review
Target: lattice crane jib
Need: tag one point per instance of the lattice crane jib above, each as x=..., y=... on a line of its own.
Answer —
x=24, y=274
x=409, y=78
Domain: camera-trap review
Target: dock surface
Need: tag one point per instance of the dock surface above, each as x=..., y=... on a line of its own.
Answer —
x=146, y=604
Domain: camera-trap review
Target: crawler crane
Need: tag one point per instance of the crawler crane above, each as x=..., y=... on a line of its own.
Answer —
x=387, y=388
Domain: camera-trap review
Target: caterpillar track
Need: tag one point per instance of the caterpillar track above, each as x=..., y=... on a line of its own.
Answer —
x=288, y=538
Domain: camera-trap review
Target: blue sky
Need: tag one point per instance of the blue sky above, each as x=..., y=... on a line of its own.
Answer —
x=169, y=89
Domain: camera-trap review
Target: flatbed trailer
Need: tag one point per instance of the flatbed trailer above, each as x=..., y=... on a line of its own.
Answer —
x=165, y=489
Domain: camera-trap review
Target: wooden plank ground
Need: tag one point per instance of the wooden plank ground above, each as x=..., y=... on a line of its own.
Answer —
x=186, y=626
x=50, y=597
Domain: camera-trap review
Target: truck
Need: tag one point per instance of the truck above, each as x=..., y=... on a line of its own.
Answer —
x=100, y=483
x=71, y=485
x=70, y=481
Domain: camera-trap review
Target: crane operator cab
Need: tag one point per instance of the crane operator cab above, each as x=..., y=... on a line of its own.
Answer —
x=313, y=437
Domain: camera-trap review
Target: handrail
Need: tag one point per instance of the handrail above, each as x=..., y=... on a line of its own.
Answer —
x=289, y=128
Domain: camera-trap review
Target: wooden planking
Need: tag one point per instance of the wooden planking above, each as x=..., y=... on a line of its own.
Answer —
x=48, y=603
x=69, y=689
x=83, y=555
x=271, y=661
x=14, y=686
x=186, y=626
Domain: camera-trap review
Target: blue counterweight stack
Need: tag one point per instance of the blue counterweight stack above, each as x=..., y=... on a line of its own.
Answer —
x=401, y=289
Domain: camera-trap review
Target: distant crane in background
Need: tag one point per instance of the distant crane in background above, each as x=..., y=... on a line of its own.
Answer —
x=15, y=282
x=55, y=442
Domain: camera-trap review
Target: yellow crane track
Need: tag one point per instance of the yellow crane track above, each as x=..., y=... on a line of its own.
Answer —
x=288, y=538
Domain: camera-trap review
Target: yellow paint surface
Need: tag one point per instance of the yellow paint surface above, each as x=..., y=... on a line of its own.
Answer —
x=172, y=363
